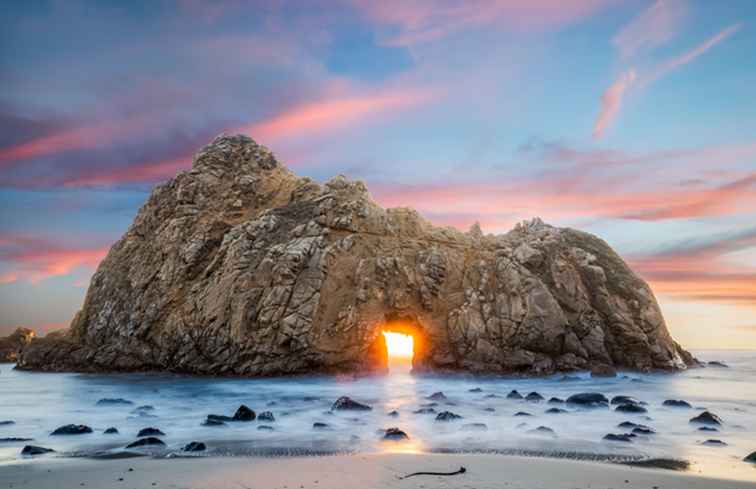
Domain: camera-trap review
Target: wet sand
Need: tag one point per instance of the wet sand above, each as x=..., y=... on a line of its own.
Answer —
x=347, y=471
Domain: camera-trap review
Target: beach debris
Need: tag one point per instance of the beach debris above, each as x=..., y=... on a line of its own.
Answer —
x=707, y=418
x=31, y=450
x=144, y=442
x=658, y=463
x=447, y=416
x=244, y=414
x=149, y=432
x=195, y=446
x=461, y=470
x=72, y=429
x=678, y=403
x=345, y=403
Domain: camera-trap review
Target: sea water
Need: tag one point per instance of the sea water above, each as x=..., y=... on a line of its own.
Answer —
x=38, y=403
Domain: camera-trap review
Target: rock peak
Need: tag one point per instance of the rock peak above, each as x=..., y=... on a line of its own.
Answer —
x=241, y=267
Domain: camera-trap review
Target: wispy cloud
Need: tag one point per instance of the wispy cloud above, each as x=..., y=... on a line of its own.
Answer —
x=611, y=102
x=651, y=28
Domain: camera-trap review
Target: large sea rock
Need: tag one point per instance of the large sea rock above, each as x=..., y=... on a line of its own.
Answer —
x=241, y=267
x=13, y=343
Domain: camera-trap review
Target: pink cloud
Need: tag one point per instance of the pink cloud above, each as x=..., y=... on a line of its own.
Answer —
x=335, y=113
x=611, y=102
x=653, y=27
x=36, y=260
x=143, y=172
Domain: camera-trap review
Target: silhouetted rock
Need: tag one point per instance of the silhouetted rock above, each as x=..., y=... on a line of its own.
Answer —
x=11, y=345
x=717, y=364
x=345, y=403
x=320, y=426
x=707, y=428
x=146, y=442
x=624, y=437
x=447, y=416
x=72, y=429
x=555, y=410
x=31, y=450
x=678, y=403
x=195, y=446
x=213, y=422
x=542, y=430
x=714, y=442
x=265, y=427
x=475, y=390
x=7, y=422
x=522, y=413
x=514, y=395
x=631, y=408
x=266, y=416
x=624, y=400
x=588, y=399
x=556, y=400
x=395, y=434
x=240, y=267
x=750, y=458
x=437, y=396
x=244, y=414
x=643, y=430
x=14, y=439
x=111, y=431
x=393, y=414
x=534, y=397
x=425, y=411
x=707, y=418
x=150, y=432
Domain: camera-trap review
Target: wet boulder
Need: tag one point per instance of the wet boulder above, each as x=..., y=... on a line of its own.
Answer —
x=345, y=403
x=213, y=422
x=395, y=434
x=31, y=450
x=14, y=439
x=393, y=414
x=266, y=416
x=437, y=396
x=750, y=458
x=146, y=442
x=534, y=397
x=677, y=403
x=712, y=442
x=447, y=416
x=72, y=429
x=244, y=414
x=320, y=426
x=514, y=395
x=706, y=418
x=219, y=418
x=588, y=399
x=265, y=427
x=425, y=410
x=522, y=413
x=556, y=400
x=117, y=401
x=555, y=410
x=623, y=437
x=542, y=430
x=643, y=430
x=149, y=432
x=717, y=364
x=475, y=427
x=7, y=422
x=707, y=428
x=475, y=390
x=195, y=446
x=111, y=431
x=624, y=400
x=631, y=408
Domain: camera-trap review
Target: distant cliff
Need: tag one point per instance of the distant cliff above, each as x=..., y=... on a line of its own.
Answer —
x=240, y=267
x=12, y=344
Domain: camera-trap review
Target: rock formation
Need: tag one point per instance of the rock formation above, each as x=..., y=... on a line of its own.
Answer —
x=12, y=344
x=240, y=267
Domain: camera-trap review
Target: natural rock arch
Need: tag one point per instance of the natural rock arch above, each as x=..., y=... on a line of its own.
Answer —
x=240, y=267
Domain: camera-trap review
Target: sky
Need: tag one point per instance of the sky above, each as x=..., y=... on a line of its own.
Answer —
x=631, y=119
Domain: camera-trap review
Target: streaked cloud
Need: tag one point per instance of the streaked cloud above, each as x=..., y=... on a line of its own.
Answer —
x=653, y=27
x=611, y=102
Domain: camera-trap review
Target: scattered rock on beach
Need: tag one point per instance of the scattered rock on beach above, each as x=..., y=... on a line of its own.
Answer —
x=219, y=417
x=118, y=401
x=750, y=458
x=623, y=400
x=144, y=442
x=72, y=429
x=448, y=416
x=475, y=390
x=556, y=400
x=244, y=414
x=150, y=432
x=542, y=430
x=714, y=443
x=475, y=427
x=345, y=403
x=513, y=395
x=195, y=446
x=522, y=413
x=534, y=397
x=631, y=408
x=395, y=434
x=718, y=364
x=707, y=428
x=437, y=396
x=589, y=399
x=320, y=426
x=7, y=422
x=489, y=409
x=111, y=431
x=643, y=430
x=266, y=416
x=426, y=410
x=678, y=403
x=14, y=439
x=393, y=414
x=556, y=410
x=707, y=418
x=265, y=427
x=213, y=422
x=32, y=450
x=624, y=437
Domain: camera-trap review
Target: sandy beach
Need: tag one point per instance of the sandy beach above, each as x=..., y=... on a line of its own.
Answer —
x=347, y=471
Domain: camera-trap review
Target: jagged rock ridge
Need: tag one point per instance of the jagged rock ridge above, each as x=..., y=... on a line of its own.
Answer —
x=13, y=343
x=240, y=267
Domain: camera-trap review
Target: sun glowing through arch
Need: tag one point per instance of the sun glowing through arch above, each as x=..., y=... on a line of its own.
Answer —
x=399, y=346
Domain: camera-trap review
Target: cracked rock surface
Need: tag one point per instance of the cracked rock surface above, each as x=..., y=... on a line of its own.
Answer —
x=240, y=267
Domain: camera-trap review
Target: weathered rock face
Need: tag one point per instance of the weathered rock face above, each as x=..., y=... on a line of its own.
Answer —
x=241, y=267
x=12, y=344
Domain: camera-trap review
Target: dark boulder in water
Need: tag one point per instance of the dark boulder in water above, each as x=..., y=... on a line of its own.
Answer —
x=475, y=390
x=345, y=403
x=219, y=418
x=707, y=418
x=678, y=403
x=589, y=399
x=146, y=442
x=393, y=414
x=556, y=400
x=265, y=427
x=643, y=430
x=320, y=426
x=244, y=414
x=143, y=409
x=489, y=409
x=7, y=422
x=118, y=401
x=447, y=416
x=714, y=443
x=475, y=427
x=111, y=431
x=513, y=395
x=534, y=397
x=213, y=422
x=266, y=416
x=14, y=439
x=715, y=363
x=195, y=446
x=707, y=428
x=31, y=450
x=624, y=437
x=522, y=413
x=631, y=408
x=150, y=432
x=395, y=434
x=624, y=400
x=750, y=458
x=72, y=429
x=437, y=396
x=427, y=410
x=495, y=396
x=556, y=410
x=542, y=430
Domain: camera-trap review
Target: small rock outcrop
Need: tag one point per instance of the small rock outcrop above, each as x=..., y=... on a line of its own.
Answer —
x=240, y=267
x=12, y=344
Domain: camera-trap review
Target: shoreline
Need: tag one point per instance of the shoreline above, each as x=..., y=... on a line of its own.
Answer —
x=356, y=470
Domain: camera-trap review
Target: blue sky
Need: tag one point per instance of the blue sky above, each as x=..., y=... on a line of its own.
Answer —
x=635, y=120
